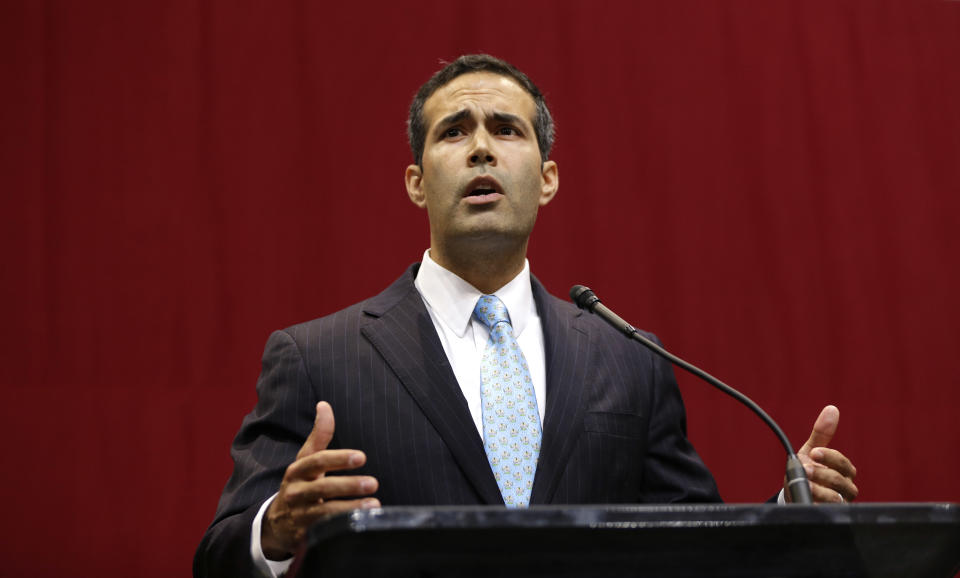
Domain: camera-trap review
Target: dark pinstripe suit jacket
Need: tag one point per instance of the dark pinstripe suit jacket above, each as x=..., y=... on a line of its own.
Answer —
x=614, y=429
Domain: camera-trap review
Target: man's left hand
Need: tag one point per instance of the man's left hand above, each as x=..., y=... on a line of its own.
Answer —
x=830, y=473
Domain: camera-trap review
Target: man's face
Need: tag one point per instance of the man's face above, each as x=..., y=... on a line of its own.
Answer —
x=482, y=178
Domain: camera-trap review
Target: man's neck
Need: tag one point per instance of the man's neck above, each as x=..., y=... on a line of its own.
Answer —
x=488, y=271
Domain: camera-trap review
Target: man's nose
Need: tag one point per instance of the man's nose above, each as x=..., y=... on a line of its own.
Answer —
x=481, y=152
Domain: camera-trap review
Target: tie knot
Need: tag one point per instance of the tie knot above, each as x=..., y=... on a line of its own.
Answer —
x=491, y=311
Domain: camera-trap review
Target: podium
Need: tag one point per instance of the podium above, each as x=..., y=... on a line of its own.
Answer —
x=916, y=540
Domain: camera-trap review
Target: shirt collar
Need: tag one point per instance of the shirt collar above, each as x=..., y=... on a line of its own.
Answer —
x=452, y=299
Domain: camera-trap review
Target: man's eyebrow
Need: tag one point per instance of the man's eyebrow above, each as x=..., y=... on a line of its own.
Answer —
x=507, y=118
x=453, y=118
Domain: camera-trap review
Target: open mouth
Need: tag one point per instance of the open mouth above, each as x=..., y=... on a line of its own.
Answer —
x=483, y=189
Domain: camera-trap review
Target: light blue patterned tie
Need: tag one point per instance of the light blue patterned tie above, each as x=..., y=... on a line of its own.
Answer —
x=511, y=422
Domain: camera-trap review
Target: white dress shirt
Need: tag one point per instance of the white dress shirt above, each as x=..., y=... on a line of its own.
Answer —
x=450, y=301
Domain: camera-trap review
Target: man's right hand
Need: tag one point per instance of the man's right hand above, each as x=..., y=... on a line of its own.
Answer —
x=307, y=494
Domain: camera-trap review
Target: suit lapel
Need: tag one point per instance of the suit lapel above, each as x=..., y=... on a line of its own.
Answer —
x=399, y=327
x=567, y=348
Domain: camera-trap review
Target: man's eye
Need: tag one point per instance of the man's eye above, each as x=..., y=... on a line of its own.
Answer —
x=452, y=133
x=508, y=131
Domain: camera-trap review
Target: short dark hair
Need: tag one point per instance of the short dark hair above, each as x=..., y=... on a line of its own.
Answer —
x=416, y=124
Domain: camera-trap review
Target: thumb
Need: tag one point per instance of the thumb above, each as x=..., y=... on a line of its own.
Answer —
x=823, y=429
x=322, y=431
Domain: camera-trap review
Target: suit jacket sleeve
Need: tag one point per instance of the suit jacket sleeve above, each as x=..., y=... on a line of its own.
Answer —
x=268, y=441
x=673, y=471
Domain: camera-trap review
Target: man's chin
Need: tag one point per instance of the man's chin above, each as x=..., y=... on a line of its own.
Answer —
x=486, y=239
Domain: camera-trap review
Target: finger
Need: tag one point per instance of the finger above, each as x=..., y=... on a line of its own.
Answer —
x=302, y=518
x=834, y=460
x=305, y=494
x=833, y=480
x=823, y=429
x=824, y=495
x=826, y=477
x=322, y=431
x=334, y=507
x=834, y=490
x=313, y=465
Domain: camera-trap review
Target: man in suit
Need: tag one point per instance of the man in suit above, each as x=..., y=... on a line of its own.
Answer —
x=406, y=372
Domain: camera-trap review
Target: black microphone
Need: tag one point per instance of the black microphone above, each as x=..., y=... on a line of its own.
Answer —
x=796, y=476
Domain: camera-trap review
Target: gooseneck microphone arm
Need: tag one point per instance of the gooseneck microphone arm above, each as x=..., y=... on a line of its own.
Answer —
x=796, y=476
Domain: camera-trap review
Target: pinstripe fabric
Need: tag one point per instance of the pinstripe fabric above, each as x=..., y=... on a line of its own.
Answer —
x=613, y=431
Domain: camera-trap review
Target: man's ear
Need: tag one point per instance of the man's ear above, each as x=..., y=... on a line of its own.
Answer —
x=550, y=181
x=413, y=177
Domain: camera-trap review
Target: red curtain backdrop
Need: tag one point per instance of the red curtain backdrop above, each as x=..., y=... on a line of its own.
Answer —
x=771, y=187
